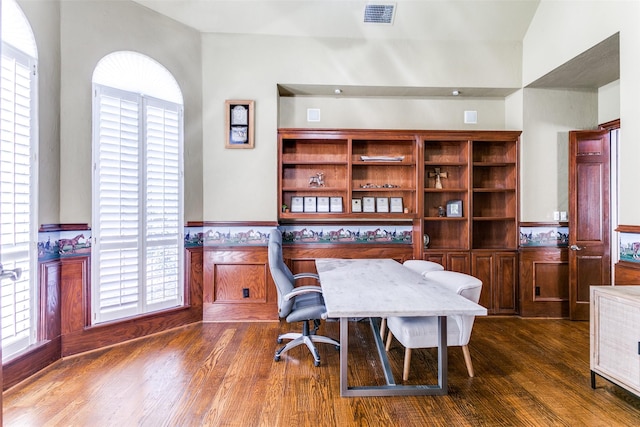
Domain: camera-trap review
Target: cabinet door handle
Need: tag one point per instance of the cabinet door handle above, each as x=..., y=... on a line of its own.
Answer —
x=576, y=248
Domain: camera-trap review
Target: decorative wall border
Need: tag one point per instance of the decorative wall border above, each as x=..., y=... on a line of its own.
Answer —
x=544, y=235
x=63, y=241
x=347, y=234
x=629, y=244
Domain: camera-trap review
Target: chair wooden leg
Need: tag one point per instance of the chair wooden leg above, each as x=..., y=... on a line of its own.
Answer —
x=467, y=359
x=407, y=362
x=383, y=327
x=389, y=338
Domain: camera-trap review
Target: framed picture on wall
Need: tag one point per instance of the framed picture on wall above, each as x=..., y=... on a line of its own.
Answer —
x=239, y=124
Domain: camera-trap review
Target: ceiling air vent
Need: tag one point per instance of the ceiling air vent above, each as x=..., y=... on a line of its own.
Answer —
x=379, y=13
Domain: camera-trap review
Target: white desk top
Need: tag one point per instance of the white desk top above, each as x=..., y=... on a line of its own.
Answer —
x=385, y=288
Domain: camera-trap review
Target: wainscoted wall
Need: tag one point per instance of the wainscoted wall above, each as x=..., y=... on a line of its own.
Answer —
x=237, y=282
x=627, y=269
x=544, y=270
x=221, y=261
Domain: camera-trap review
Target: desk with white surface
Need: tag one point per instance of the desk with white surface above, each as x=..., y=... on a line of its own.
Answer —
x=380, y=288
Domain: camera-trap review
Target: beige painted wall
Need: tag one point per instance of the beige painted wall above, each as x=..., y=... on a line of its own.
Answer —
x=580, y=25
x=392, y=113
x=241, y=184
x=549, y=116
x=89, y=30
x=609, y=102
x=222, y=184
x=44, y=19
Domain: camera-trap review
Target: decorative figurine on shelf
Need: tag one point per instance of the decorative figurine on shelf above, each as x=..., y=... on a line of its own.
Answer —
x=437, y=175
x=441, y=211
x=317, y=181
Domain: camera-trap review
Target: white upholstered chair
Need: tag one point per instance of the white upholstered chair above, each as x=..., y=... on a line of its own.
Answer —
x=422, y=332
x=419, y=266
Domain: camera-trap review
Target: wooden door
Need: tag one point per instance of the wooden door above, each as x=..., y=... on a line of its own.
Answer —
x=589, y=221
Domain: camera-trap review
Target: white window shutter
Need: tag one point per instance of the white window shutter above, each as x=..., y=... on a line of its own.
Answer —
x=138, y=251
x=16, y=208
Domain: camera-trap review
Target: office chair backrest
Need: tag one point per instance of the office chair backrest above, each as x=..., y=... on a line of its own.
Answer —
x=282, y=276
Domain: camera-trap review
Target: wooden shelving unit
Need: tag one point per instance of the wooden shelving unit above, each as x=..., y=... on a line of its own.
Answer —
x=356, y=165
x=479, y=169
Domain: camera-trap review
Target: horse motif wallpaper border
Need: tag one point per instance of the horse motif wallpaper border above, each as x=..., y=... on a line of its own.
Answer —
x=629, y=247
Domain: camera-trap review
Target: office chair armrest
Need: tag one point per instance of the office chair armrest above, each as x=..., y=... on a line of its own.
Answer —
x=300, y=290
x=306, y=276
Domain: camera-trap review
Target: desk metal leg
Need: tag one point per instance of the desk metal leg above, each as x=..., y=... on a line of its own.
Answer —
x=443, y=361
x=391, y=389
x=344, y=346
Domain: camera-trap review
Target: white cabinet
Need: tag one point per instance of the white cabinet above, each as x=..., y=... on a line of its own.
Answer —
x=615, y=335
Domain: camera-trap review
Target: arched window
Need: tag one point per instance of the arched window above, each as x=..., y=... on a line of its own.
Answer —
x=137, y=256
x=18, y=180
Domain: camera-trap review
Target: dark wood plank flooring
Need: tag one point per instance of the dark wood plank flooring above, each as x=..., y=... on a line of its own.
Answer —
x=529, y=372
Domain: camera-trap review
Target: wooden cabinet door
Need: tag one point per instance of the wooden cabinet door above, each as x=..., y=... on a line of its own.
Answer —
x=482, y=268
x=458, y=261
x=505, y=283
x=499, y=274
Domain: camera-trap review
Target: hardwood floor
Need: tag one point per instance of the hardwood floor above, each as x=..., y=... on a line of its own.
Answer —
x=528, y=373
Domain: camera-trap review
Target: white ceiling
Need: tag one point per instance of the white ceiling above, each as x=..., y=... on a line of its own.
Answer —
x=495, y=20
x=444, y=20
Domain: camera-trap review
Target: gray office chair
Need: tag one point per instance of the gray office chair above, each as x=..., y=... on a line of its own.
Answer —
x=296, y=304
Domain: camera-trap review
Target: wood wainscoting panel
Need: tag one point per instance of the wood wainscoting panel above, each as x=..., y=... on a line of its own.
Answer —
x=232, y=281
x=627, y=273
x=78, y=335
x=74, y=286
x=230, y=270
x=48, y=348
x=544, y=282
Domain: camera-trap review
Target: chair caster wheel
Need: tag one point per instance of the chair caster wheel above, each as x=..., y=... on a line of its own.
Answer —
x=337, y=348
x=316, y=363
x=279, y=341
x=276, y=358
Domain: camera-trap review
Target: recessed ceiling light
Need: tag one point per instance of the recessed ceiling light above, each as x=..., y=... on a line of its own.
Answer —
x=337, y=91
x=455, y=93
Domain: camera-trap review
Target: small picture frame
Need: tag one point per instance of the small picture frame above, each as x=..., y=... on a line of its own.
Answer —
x=396, y=205
x=336, y=204
x=239, y=124
x=323, y=204
x=382, y=204
x=454, y=208
x=356, y=205
x=297, y=204
x=368, y=204
x=310, y=204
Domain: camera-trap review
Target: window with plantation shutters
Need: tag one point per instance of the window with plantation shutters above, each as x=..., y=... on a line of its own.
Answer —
x=18, y=181
x=137, y=257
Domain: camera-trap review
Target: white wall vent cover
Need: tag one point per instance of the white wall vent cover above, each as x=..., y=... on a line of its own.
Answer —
x=379, y=13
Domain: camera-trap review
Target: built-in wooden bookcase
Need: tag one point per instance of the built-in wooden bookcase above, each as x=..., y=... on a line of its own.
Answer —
x=303, y=157
x=450, y=160
x=478, y=172
x=356, y=165
x=495, y=194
